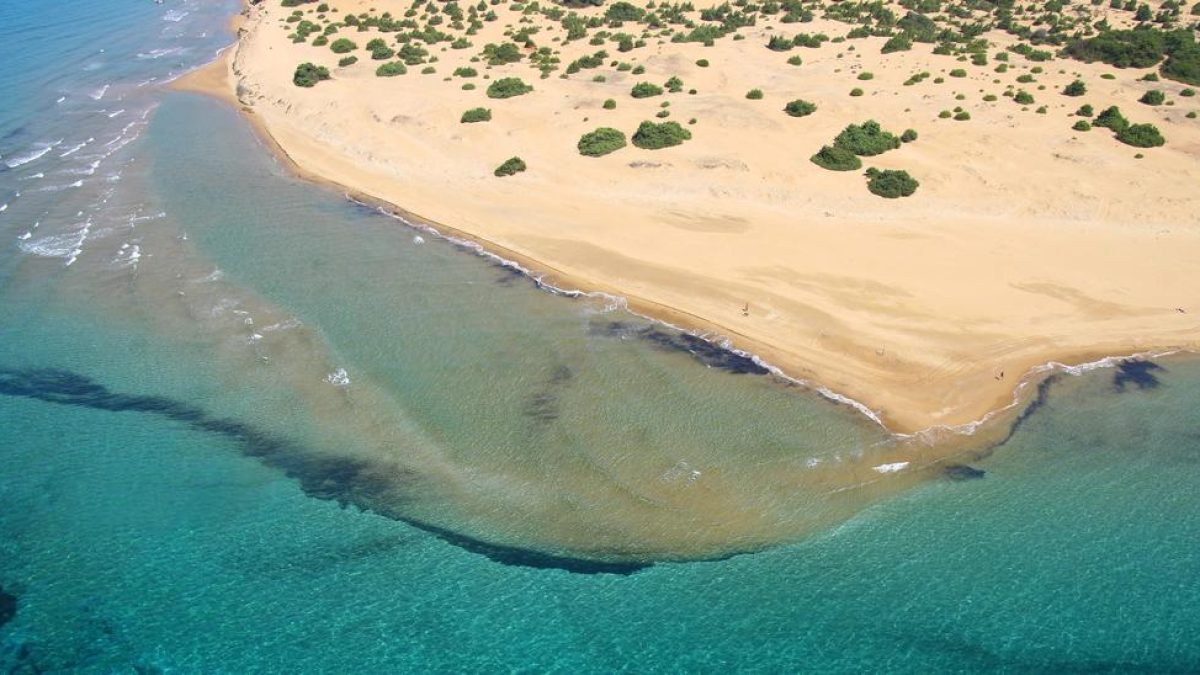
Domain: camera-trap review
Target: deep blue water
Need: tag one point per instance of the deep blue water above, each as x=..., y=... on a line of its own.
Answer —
x=183, y=490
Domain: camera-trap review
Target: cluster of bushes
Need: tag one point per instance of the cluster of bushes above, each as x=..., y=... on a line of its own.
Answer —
x=343, y=46
x=308, y=75
x=1144, y=47
x=654, y=136
x=836, y=158
x=391, y=69
x=508, y=87
x=601, y=142
x=1137, y=135
x=890, y=183
x=866, y=139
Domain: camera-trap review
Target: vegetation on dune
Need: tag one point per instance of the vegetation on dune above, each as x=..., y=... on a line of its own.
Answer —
x=476, y=115
x=601, y=142
x=342, y=46
x=508, y=87
x=511, y=166
x=1141, y=136
x=391, y=69
x=836, y=158
x=1153, y=97
x=654, y=136
x=645, y=90
x=1111, y=118
x=799, y=108
x=890, y=183
x=308, y=75
x=866, y=139
x=1076, y=88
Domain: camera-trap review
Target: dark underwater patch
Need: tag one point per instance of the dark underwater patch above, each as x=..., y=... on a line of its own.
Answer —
x=961, y=472
x=542, y=406
x=1039, y=401
x=8, y=606
x=1137, y=372
x=700, y=349
x=344, y=480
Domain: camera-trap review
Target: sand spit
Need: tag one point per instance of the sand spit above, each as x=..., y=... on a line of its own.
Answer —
x=1026, y=243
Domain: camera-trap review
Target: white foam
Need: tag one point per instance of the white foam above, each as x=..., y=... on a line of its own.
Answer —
x=40, y=150
x=338, y=378
x=175, y=15
x=116, y=113
x=159, y=53
x=25, y=236
x=61, y=99
x=76, y=148
x=418, y=239
x=891, y=468
x=99, y=93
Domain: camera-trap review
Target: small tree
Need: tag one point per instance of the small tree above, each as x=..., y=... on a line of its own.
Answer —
x=512, y=165
x=508, y=87
x=601, y=142
x=799, y=108
x=891, y=184
x=1111, y=118
x=1076, y=88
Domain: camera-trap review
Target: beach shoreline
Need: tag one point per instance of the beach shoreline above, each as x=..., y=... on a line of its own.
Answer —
x=845, y=372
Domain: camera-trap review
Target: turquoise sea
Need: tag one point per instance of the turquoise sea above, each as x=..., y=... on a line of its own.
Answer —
x=247, y=425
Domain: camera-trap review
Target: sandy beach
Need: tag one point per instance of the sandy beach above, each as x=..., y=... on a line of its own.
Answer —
x=1027, y=242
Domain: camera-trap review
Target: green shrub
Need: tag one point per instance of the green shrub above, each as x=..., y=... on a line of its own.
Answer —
x=958, y=72
x=508, y=87
x=703, y=63
x=674, y=85
x=908, y=136
x=945, y=115
x=601, y=142
x=1153, y=97
x=428, y=70
x=476, y=115
x=779, y=43
x=866, y=139
x=754, y=94
x=1025, y=78
x=638, y=69
x=512, y=165
x=799, y=108
x=1111, y=118
x=897, y=43
x=833, y=158
x=1149, y=77
x=1187, y=93
x=891, y=184
x=962, y=116
x=1082, y=125
x=1023, y=97
x=347, y=61
x=391, y=69
x=308, y=75
x=795, y=60
x=866, y=76
x=609, y=104
x=468, y=86
x=645, y=90
x=343, y=46
x=1076, y=88
x=856, y=92
x=652, y=136
x=1141, y=136
x=989, y=97
x=1085, y=110
x=465, y=71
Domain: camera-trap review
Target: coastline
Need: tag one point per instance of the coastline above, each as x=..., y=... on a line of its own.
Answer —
x=877, y=393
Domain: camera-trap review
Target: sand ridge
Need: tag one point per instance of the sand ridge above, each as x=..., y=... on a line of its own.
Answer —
x=1027, y=242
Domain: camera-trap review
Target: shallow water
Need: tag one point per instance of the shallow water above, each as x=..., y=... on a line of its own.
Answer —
x=248, y=425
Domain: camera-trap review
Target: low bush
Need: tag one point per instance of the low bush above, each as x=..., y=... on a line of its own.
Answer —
x=703, y=63
x=601, y=142
x=652, y=136
x=962, y=116
x=833, y=158
x=1111, y=118
x=508, y=87
x=347, y=61
x=795, y=61
x=866, y=139
x=908, y=136
x=958, y=72
x=645, y=90
x=754, y=94
x=512, y=165
x=1153, y=97
x=343, y=46
x=308, y=75
x=897, y=43
x=856, y=92
x=391, y=69
x=1023, y=97
x=1085, y=110
x=866, y=76
x=465, y=71
x=1082, y=125
x=799, y=108
x=609, y=104
x=1141, y=136
x=890, y=183
x=476, y=115
x=1076, y=88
